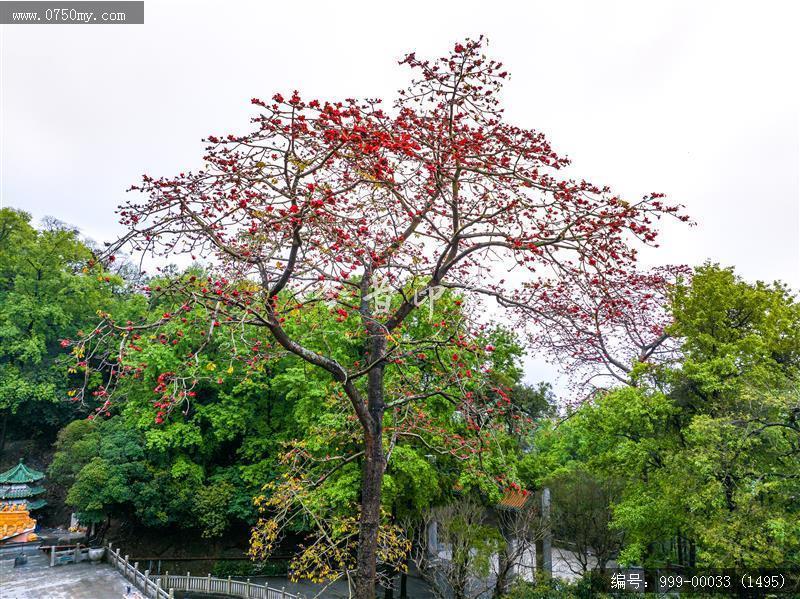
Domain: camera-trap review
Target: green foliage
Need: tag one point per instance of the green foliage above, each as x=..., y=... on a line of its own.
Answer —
x=47, y=293
x=734, y=334
x=709, y=452
x=110, y=473
x=587, y=587
x=412, y=484
x=704, y=449
x=212, y=506
x=215, y=455
x=106, y=468
x=472, y=541
x=76, y=445
x=225, y=568
x=473, y=545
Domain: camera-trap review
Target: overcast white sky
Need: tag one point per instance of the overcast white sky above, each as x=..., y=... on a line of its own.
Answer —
x=695, y=99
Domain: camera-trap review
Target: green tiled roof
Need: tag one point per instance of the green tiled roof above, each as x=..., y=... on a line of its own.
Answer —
x=8, y=492
x=35, y=505
x=20, y=474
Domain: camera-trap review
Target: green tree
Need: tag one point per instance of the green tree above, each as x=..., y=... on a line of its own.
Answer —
x=436, y=191
x=47, y=294
x=705, y=449
x=433, y=445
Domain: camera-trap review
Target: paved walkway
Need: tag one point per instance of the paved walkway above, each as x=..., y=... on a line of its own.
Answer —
x=37, y=580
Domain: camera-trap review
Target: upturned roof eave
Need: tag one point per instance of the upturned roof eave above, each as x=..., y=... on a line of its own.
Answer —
x=20, y=474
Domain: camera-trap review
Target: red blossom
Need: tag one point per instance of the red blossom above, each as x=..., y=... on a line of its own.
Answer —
x=335, y=203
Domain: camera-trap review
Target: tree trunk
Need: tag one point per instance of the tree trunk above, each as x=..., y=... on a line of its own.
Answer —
x=461, y=577
x=391, y=572
x=503, y=567
x=371, y=482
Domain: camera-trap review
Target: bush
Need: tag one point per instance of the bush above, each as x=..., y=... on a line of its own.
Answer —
x=223, y=569
x=588, y=587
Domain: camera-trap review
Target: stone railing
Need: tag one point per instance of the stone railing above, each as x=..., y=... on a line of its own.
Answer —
x=67, y=554
x=148, y=585
x=223, y=586
x=163, y=586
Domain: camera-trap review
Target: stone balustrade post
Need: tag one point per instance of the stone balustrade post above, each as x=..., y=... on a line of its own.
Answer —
x=247, y=590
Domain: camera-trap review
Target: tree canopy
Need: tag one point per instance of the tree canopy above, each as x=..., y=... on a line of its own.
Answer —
x=703, y=454
x=47, y=294
x=351, y=213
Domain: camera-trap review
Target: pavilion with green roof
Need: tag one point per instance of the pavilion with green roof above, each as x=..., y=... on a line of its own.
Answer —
x=18, y=486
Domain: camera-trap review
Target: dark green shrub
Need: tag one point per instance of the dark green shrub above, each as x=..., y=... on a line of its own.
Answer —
x=223, y=569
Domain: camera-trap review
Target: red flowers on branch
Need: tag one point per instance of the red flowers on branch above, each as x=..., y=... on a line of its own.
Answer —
x=326, y=201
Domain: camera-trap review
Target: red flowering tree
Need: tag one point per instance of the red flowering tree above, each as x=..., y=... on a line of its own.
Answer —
x=606, y=330
x=336, y=203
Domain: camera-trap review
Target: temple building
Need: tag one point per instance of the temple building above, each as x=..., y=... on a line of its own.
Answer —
x=18, y=497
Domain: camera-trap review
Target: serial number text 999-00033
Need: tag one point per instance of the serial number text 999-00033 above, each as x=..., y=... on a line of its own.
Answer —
x=729, y=582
